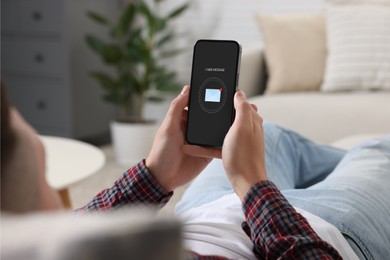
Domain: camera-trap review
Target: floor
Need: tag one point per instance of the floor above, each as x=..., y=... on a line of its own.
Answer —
x=82, y=192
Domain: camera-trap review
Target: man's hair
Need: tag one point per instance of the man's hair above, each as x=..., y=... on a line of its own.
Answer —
x=19, y=188
x=8, y=136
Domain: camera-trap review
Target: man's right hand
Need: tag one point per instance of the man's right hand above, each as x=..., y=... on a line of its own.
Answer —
x=243, y=152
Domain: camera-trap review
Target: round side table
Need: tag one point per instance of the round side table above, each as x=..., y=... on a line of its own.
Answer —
x=69, y=161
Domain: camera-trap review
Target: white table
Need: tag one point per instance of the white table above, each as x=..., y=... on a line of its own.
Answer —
x=69, y=161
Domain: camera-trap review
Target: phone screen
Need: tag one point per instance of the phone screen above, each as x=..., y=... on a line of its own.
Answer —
x=214, y=78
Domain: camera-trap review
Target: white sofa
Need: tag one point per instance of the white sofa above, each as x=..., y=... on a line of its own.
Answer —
x=323, y=117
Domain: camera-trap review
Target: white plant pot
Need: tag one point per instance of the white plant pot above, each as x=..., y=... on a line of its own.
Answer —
x=132, y=142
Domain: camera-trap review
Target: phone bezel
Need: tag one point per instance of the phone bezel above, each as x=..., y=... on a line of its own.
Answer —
x=235, y=83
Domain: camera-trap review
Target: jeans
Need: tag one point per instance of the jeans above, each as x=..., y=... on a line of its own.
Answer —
x=350, y=190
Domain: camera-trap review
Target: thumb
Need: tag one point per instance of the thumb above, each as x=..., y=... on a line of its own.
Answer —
x=177, y=106
x=243, y=108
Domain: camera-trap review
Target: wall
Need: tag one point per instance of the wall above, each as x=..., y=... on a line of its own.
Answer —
x=226, y=19
x=219, y=19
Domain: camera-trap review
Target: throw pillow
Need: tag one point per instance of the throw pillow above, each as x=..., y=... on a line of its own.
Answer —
x=295, y=51
x=358, y=45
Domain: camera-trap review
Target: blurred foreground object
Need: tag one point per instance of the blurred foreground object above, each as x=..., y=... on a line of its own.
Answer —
x=125, y=234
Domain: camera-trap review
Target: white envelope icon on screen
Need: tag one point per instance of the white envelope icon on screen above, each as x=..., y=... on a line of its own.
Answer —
x=212, y=95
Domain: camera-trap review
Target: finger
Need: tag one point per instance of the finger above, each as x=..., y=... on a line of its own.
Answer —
x=178, y=104
x=257, y=118
x=254, y=107
x=184, y=121
x=243, y=108
x=184, y=116
x=198, y=151
x=183, y=126
x=256, y=115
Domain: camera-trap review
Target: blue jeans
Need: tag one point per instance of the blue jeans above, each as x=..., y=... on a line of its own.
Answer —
x=350, y=190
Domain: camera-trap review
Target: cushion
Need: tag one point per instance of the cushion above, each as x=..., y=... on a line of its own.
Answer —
x=295, y=51
x=326, y=117
x=358, y=46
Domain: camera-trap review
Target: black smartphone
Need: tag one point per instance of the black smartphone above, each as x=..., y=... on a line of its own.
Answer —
x=214, y=79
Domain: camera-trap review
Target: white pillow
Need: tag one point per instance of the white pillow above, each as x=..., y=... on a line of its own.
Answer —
x=358, y=46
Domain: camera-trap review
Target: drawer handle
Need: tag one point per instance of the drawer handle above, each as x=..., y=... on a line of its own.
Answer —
x=41, y=105
x=39, y=58
x=37, y=16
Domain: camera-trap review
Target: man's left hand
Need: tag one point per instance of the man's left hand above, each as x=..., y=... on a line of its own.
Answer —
x=167, y=161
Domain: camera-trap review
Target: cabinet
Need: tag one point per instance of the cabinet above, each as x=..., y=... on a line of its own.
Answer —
x=46, y=64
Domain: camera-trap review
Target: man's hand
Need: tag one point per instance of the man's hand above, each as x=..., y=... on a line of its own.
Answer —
x=243, y=147
x=167, y=161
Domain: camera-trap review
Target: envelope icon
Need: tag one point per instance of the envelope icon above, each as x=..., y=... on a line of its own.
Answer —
x=212, y=95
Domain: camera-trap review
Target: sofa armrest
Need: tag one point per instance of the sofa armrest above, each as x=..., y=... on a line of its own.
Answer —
x=252, y=72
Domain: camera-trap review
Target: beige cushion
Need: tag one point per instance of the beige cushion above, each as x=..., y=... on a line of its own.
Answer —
x=358, y=47
x=295, y=51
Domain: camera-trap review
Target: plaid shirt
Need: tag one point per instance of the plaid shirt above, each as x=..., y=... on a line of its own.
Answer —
x=276, y=229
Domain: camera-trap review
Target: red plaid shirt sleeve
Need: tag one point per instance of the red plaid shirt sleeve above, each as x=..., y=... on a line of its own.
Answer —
x=136, y=186
x=277, y=230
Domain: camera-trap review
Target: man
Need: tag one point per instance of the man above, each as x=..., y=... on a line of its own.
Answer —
x=275, y=228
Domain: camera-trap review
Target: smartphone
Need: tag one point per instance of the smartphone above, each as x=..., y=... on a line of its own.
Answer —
x=214, y=79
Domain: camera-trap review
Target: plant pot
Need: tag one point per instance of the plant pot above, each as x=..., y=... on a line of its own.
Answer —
x=132, y=141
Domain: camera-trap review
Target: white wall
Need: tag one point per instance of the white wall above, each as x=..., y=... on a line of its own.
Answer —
x=226, y=19
x=220, y=19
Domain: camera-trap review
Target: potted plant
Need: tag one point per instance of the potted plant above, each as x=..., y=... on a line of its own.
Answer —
x=138, y=42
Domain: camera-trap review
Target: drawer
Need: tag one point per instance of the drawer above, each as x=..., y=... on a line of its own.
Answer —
x=32, y=56
x=9, y=16
x=44, y=103
x=33, y=16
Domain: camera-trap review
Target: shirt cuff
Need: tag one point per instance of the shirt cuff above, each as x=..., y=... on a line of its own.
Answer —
x=142, y=184
x=262, y=202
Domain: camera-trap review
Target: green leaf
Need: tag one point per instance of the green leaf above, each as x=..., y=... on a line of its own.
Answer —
x=127, y=81
x=130, y=82
x=165, y=39
x=125, y=20
x=176, y=12
x=98, y=18
x=163, y=76
x=155, y=99
x=117, y=99
x=173, y=88
x=112, y=53
x=144, y=9
x=134, y=52
x=138, y=53
x=160, y=24
x=95, y=44
x=134, y=55
x=136, y=48
x=105, y=80
x=164, y=80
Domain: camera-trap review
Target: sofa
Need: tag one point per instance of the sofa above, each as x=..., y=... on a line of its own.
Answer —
x=323, y=117
x=324, y=73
